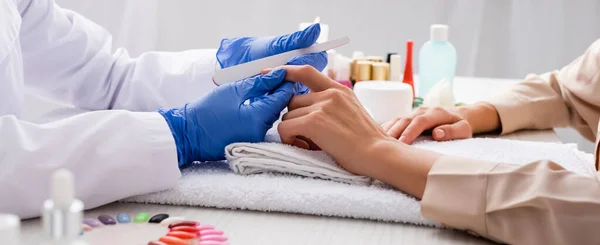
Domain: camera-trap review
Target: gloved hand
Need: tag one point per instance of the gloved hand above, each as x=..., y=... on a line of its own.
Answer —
x=204, y=127
x=236, y=51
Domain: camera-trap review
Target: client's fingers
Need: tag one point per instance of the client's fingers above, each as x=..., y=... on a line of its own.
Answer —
x=458, y=130
x=386, y=126
x=265, y=71
x=312, y=145
x=424, y=122
x=398, y=128
x=306, y=143
x=295, y=113
x=300, y=143
x=304, y=100
x=310, y=77
x=289, y=129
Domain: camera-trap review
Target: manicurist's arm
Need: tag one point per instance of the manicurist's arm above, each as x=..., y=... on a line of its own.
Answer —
x=539, y=203
x=69, y=58
x=116, y=154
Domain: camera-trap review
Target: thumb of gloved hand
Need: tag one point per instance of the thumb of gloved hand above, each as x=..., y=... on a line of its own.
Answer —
x=234, y=51
x=274, y=103
x=297, y=40
x=254, y=88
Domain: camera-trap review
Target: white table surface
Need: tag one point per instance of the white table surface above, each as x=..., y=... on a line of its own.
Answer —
x=249, y=227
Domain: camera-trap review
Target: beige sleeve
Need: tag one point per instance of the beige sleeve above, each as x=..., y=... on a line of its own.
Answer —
x=539, y=203
x=568, y=97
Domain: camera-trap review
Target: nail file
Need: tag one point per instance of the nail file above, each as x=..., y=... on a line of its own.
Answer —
x=245, y=70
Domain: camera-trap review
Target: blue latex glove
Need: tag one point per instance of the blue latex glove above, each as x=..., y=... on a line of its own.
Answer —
x=204, y=127
x=236, y=51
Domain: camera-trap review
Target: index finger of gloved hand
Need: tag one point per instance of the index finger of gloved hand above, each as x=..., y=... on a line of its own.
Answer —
x=261, y=84
x=309, y=76
x=270, y=106
x=297, y=40
x=316, y=60
x=430, y=119
x=301, y=89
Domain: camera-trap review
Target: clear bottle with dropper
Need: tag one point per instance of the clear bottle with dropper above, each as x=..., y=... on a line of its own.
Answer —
x=62, y=214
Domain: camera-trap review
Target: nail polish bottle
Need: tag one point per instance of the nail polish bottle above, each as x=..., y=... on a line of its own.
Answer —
x=63, y=213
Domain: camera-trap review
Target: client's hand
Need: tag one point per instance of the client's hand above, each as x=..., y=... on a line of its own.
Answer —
x=332, y=118
x=445, y=125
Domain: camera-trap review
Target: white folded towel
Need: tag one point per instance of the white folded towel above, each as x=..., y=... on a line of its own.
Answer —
x=249, y=158
x=215, y=185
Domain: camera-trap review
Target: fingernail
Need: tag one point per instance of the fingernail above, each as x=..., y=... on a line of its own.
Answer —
x=277, y=72
x=439, y=133
x=402, y=139
x=265, y=71
x=301, y=144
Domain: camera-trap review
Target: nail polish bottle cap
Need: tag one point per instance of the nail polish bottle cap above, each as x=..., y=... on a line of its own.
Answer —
x=439, y=33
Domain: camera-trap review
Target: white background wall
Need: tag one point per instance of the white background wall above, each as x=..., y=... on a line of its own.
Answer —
x=494, y=38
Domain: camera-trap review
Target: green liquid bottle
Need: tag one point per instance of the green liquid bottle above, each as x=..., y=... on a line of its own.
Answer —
x=437, y=60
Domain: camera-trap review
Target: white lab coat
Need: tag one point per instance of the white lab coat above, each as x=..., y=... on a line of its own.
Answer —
x=114, y=153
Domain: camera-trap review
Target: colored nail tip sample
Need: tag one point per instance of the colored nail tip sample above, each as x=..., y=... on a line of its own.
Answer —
x=123, y=218
x=85, y=227
x=192, y=229
x=92, y=222
x=107, y=219
x=206, y=227
x=156, y=243
x=184, y=223
x=172, y=240
x=211, y=232
x=171, y=220
x=182, y=234
x=141, y=217
x=215, y=238
x=158, y=218
x=212, y=243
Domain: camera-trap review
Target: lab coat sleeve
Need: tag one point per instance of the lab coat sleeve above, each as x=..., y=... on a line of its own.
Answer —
x=112, y=154
x=69, y=58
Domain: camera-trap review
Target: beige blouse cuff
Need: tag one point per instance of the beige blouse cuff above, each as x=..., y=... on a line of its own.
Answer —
x=455, y=193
